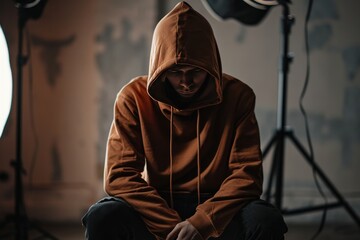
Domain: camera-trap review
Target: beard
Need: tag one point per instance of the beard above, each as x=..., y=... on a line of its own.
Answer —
x=181, y=101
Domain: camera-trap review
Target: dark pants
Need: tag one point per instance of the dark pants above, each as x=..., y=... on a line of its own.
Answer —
x=112, y=218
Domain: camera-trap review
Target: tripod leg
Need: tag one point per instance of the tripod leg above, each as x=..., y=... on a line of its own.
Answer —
x=280, y=148
x=269, y=145
x=327, y=182
x=272, y=175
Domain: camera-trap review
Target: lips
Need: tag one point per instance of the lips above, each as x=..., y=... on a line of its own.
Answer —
x=187, y=93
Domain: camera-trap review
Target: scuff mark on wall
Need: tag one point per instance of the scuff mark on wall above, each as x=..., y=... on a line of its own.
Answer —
x=240, y=36
x=57, y=173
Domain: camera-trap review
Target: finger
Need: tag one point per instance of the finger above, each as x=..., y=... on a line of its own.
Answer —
x=183, y=235
x=188, y=231
x=173, y=234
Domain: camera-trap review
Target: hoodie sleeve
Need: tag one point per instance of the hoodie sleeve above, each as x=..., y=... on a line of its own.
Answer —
x=123, y=167
x=244, y=182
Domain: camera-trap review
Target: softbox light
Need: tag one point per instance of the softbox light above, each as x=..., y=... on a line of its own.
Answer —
x=6, y=88
x=249, y=12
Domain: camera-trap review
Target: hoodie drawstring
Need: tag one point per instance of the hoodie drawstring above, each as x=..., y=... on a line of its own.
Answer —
x=198, y=155
x=171, y=159
x=197, y=161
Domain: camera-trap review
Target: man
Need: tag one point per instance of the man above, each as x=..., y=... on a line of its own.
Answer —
x=194, y=129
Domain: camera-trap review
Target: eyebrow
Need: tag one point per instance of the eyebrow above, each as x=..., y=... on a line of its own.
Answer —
x=179, y=69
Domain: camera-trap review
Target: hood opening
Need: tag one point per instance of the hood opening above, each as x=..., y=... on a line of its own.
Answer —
x=166, y=94
x=184, y=37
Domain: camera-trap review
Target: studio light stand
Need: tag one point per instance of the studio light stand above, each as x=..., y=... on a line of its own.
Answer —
x=283, y=132
x=26, y=10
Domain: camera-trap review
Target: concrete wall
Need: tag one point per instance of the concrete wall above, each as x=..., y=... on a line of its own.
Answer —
x=82, y=52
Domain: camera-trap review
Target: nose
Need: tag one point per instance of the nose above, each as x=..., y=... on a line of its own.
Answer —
x=186, y=81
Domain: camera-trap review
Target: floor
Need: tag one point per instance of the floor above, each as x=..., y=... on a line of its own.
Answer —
x=333, y=232
x=296, y=232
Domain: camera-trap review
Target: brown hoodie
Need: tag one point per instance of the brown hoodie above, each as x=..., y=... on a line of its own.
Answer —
x=208, y=146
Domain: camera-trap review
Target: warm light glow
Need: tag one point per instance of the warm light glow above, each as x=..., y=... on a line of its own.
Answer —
x=5, y=82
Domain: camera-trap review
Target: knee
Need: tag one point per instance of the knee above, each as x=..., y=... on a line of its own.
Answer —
x=103, y=214
x=263, y=220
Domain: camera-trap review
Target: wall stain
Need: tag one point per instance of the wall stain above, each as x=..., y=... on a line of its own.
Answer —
x=119, y=59
x=322, y=129
x=344, y=129
x=319, y=36
x=324, y=9
x=321, y=31
x=49, y=55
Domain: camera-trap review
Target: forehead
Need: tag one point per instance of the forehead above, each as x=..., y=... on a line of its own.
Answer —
x=183, y=68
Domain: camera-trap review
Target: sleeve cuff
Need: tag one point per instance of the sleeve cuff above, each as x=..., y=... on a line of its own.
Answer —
x=203, y=225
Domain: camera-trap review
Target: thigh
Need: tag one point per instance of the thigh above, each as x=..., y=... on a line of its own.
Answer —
x=114, y=218
x=257, y=220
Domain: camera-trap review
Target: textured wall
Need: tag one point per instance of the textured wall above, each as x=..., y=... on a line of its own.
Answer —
x=83, y=52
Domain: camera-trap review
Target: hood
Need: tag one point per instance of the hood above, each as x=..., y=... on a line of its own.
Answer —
x=184, y=37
